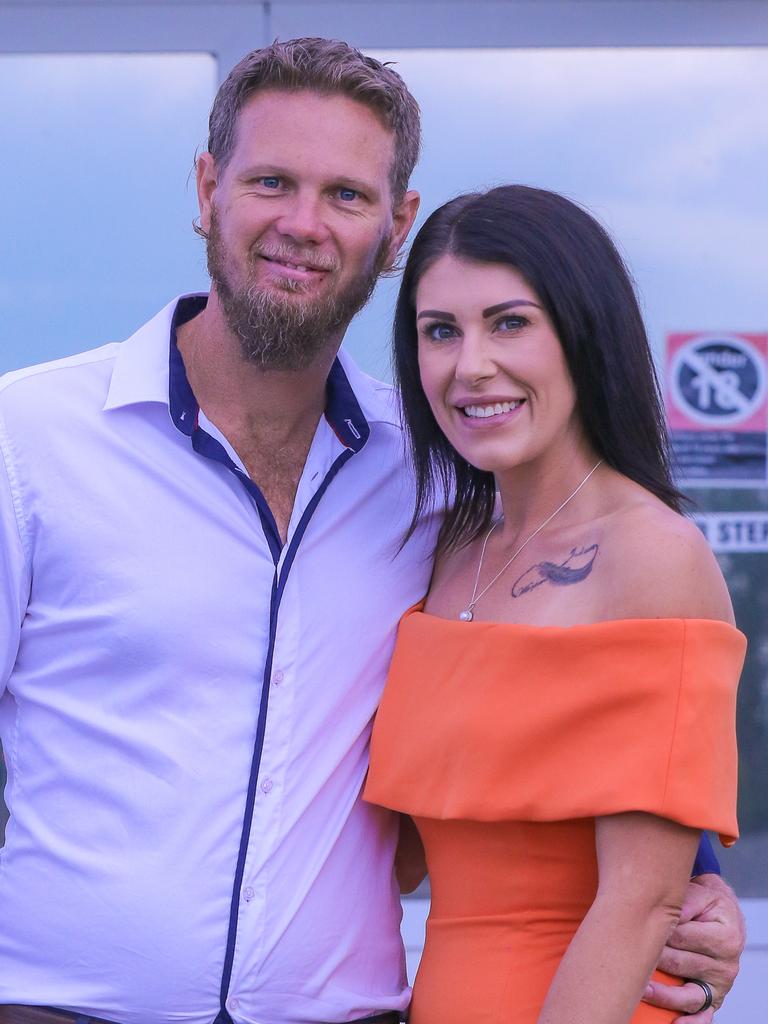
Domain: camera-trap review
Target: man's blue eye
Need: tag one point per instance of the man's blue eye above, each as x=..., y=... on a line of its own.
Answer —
x=347, y=194
x=270, y=182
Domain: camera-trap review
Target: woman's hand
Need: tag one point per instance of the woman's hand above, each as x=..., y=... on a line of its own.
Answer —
x=706, y=944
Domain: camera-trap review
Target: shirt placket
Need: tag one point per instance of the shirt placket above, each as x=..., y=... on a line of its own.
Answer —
x=268, y=808
x=248, y=931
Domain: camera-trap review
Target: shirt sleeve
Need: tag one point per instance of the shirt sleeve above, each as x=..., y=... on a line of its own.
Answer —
x=706, y=862
x=14, y=567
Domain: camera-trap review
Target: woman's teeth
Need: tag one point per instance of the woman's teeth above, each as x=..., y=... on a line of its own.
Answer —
x=484, y=411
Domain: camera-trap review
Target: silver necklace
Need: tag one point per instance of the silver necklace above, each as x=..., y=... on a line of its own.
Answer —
x=469, y=612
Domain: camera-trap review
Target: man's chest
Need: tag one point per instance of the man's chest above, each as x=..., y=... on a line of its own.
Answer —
x=171, y=552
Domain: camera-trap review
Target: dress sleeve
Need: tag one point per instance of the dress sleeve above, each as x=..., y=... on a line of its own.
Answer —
x=508, y=722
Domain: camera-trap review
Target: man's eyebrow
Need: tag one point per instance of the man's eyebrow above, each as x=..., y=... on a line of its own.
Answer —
x=264, y=171
x=358, y=185
x=512, y=304
x=436, y=313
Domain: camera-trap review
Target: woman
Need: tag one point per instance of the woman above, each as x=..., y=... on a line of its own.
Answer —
x=559, y=717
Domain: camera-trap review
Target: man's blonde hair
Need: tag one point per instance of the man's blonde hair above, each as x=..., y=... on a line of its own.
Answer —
x=325, y=66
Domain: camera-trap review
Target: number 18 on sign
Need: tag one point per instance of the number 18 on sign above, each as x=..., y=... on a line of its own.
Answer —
x=717, y=408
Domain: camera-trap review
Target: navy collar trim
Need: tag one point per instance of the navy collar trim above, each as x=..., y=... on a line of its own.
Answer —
x=343, y=412
x=181, y=400
x=342, y=409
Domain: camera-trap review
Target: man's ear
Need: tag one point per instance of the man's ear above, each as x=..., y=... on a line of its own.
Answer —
x=403, y=216
x=205, y=173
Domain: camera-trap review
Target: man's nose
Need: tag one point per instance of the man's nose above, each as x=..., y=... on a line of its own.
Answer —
x=302, y=219
x=474, y=362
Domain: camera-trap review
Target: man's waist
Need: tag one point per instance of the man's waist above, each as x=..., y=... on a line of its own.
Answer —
x=19, y=1013
x=110, y=987
x=282, y=1010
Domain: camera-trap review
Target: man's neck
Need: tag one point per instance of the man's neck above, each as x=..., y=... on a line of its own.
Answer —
x=268, y=416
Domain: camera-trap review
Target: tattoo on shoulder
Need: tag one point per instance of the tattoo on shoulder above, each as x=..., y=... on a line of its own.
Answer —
x=573, y=569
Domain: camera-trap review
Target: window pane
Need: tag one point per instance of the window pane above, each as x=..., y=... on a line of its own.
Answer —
x=98, y=201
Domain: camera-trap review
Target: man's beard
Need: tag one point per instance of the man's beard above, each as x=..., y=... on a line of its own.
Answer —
x=288, y=333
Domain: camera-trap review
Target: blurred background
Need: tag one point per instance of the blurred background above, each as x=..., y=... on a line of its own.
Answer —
x=651, y=113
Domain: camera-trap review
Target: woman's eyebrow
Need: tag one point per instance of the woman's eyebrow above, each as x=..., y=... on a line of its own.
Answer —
x=508, y=305
x=436, y=313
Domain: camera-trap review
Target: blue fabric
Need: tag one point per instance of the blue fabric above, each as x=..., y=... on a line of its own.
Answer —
x=706, y=862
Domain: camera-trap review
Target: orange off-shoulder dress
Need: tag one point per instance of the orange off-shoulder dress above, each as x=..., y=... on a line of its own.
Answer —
x=504, y=742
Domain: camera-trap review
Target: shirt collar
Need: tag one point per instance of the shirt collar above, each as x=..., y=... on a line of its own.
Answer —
x=143, y=372
x=140, y=372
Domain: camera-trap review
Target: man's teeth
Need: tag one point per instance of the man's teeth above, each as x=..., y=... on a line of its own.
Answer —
x=287, y=263
x=293, y=266
x=484, y=411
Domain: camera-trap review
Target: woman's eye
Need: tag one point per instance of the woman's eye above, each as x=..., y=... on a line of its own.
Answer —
x=440, y=332
x=511, y=323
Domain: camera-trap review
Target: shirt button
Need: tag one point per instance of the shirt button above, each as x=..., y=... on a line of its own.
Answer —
x=248, y=894
x=267, y=785
x=233, y=1003
x=278, y=677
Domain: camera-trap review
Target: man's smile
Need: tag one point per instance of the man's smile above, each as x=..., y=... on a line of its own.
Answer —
x=294, y=269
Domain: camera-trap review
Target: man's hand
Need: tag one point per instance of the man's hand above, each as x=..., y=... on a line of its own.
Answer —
x=706, y=944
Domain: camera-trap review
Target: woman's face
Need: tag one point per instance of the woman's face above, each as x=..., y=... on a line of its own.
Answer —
x=491, y=365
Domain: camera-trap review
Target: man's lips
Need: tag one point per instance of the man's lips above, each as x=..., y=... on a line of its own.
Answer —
x=295, y=268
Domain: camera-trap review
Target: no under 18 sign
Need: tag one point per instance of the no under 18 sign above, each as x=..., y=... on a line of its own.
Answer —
x=717, y=408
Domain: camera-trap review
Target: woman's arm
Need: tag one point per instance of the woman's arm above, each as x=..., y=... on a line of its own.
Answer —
x=644, y=865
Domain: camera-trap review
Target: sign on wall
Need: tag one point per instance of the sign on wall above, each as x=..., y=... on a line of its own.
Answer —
x=717, y=408
x=734, y=531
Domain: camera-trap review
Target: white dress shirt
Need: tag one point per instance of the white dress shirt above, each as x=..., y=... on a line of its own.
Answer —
x=186, y=706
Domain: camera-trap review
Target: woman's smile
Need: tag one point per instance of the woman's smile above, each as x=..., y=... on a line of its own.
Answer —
x=486, y=413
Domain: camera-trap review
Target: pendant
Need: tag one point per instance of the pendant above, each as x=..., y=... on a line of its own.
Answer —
x=466, y=616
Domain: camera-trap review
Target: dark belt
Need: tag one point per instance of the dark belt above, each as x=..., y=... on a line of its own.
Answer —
x=50, y=1015
x=45, y=1015
x=393, y=1017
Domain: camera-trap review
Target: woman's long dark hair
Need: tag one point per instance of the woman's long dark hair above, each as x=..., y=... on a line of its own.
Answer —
x=569, y=260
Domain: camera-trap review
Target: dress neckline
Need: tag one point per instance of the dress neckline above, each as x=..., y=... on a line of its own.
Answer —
x=418, y=609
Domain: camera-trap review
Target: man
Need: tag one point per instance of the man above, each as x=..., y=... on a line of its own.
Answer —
x=201, y=584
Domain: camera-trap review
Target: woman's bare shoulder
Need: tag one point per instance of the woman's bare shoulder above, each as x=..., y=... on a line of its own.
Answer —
x=659, y=565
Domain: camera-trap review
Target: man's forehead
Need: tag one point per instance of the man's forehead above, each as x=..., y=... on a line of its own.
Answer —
x=325, y=136
x=276, y=117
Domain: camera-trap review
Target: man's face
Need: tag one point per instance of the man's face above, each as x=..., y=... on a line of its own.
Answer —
x=300, y=222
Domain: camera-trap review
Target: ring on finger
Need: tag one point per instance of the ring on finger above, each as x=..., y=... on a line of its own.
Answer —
x=708, y=995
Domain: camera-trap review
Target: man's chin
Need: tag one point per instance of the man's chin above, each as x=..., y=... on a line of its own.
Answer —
x=290, y=291
x=287, y=289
